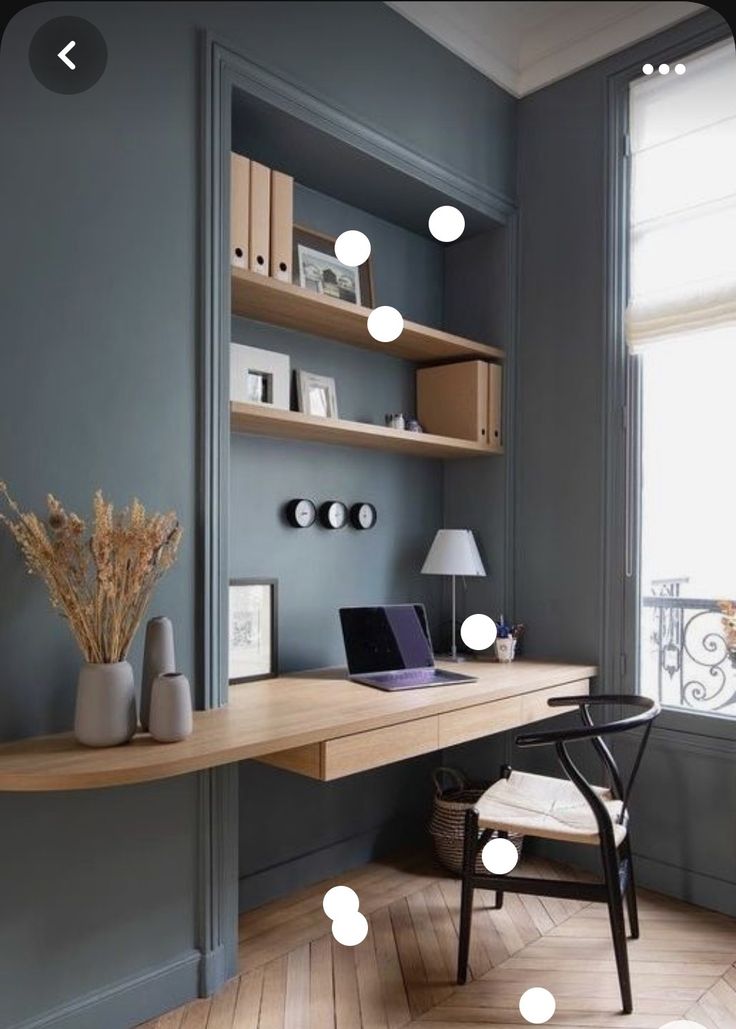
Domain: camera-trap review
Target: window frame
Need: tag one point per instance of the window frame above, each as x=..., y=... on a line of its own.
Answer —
x=622, y=391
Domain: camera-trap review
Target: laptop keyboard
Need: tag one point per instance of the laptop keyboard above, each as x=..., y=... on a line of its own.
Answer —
x=423, y=675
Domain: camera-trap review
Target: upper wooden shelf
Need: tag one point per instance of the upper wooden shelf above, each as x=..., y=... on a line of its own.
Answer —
x=263, y=420
x=268, y=300
x=266, y=718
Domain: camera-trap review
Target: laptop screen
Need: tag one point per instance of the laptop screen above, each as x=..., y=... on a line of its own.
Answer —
x=386, y=639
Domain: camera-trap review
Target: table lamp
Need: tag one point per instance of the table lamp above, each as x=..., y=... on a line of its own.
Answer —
x=453, y=552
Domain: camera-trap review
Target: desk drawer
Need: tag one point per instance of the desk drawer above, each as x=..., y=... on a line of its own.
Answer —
x=346, y=755
x=471, y=723
x=363, y=750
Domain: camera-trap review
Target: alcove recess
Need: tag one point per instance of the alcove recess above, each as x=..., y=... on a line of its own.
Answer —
x=417, y=482
x=454, y=298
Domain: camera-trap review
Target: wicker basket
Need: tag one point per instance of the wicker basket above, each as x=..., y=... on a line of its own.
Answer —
x=447, y=824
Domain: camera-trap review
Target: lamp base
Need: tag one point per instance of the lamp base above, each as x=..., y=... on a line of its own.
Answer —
x=449, y=659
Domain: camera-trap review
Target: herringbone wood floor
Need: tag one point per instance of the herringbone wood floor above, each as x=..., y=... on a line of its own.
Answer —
x=294, y=976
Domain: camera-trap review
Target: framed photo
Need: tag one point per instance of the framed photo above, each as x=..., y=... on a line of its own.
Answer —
x=252, y=629
x=317, y=269
x=316, y=395
x=259, y=376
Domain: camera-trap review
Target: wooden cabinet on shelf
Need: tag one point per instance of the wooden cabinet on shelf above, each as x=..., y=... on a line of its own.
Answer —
x=462, y=401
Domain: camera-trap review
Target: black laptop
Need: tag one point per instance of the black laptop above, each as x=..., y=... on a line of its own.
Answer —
x=389, y=647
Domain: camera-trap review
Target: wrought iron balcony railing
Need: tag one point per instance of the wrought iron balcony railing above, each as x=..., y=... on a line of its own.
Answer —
x=686, y=659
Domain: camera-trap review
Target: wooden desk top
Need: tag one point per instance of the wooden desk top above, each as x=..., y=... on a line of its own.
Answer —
x=264, y=718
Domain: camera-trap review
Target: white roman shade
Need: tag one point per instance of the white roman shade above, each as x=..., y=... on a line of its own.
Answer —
x=683, y=199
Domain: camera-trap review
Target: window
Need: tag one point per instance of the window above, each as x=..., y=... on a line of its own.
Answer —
x=681, y=321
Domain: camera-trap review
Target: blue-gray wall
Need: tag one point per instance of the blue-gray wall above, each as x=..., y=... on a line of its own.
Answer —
x=98, y=387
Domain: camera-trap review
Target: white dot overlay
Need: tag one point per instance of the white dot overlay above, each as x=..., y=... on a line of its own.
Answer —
x=499, y=856
x=478, y=632
x=350, y=930
x=664, y=69
x=341, y=905
x=352, y=248
x=537, y=1005
x=680, y=69
x=385, y=324
x=446, y=224
x=647, y=68
x=339, y=902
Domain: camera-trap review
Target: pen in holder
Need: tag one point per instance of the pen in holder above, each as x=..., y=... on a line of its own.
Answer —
x=506, y=639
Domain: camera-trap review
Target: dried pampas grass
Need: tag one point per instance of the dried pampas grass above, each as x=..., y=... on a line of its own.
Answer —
x=100, y=582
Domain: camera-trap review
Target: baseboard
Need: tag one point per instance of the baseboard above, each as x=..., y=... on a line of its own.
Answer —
x=129, y=1002
x=705, y=891
x=279, y=880
x=213, y=971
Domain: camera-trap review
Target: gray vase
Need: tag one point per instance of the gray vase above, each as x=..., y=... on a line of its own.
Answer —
x=105, y=713
x=158, y=659
x=171, y=708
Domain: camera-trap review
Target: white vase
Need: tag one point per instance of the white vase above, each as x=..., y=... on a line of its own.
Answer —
x=171, y=708
x=105, y=712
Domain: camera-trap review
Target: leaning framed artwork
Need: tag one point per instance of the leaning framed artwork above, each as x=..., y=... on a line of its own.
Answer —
x=316, y=394
x=318, y=270
x=252, y=629
x=259, y=376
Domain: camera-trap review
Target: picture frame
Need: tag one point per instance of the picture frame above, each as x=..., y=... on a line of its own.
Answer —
x=259, y=376
x=314, y=255
x=316, y=394
x=252, y=630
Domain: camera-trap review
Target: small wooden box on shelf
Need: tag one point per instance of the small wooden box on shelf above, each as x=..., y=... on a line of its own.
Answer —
x=462, y=401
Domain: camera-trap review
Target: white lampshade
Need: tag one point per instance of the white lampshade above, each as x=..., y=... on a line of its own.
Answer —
x=453, y=552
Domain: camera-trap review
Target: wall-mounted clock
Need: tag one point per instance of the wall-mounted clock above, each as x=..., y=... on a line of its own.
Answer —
x=333, y=514
x=363, y=516
x=301, y=513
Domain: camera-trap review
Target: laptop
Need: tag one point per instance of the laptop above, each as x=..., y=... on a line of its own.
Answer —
x=389, y=647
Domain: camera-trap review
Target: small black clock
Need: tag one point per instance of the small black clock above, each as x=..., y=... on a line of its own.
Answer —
x=333, y=514
x=363, y=516
x=301, y=513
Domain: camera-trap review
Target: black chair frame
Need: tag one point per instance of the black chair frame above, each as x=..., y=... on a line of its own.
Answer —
x=618, y=874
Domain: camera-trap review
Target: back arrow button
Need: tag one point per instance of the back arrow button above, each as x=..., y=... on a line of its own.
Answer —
x=67, y=54
x=62, y=55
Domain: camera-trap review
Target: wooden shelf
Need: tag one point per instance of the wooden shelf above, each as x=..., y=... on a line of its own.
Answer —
x=268, y=718
x=281, y=303
x=262, y=420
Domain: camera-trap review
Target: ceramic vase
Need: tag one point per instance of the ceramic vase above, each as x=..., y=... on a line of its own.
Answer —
x=171, y=708
x=158, y=659
x=105, y=712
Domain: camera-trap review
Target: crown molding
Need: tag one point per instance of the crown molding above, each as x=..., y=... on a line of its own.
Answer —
x=522, y=59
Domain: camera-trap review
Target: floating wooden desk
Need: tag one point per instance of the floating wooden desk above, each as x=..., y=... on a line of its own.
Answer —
x=317, y=724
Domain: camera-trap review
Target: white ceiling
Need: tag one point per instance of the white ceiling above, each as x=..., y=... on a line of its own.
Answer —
x=525, y=45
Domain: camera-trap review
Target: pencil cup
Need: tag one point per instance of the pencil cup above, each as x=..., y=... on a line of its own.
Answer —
x=505, y=649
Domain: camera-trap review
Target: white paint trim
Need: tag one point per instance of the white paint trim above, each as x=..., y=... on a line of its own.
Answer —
x=548, y=51
x=570, y=54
